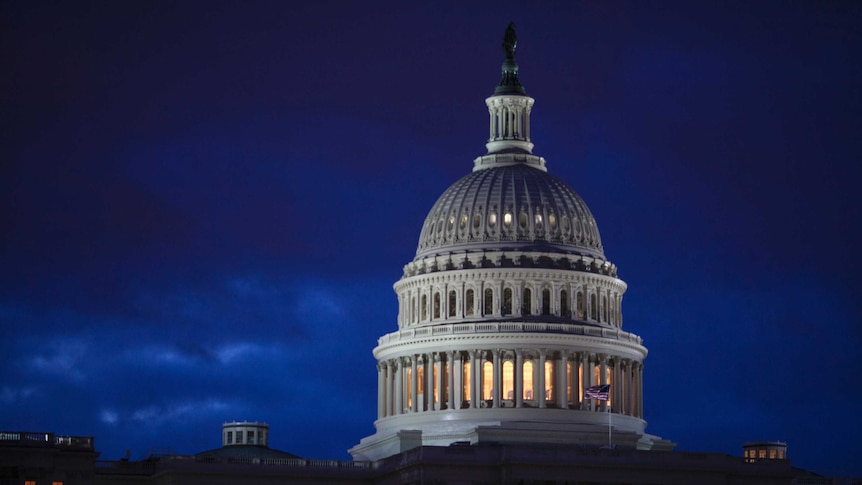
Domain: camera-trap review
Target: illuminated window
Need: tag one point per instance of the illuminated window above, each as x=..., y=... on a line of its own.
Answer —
x=487, y=380
x=507, y=301
x=56, y=483
x=549, y=381
x=761, y=454
x=492, y=219
x=569, y=396
x=463, y=222
x=466, y=379
x=468, y=302
x=451, y=223
x=538, y=220
x=528, y=380
x=29, y=482
x=420, y=383
x=489, y=301
x=552, y=220
x=527, y=301
x=452, y=301
x=477, y=221
x=780, y=454
x=508, y=380
x=435, y=368
x=436, y=305
x=507, y=219
x=772, y=454
x=546, y=302
x=565, y=311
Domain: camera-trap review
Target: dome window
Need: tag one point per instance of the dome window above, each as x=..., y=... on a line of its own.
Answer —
x=451, y=223
x=552, y=220
x=538, y=221
x=492, y=219
x=463, y=222
x=477, y=221
x=522, y=220
x=565, y=224
x=507, y=219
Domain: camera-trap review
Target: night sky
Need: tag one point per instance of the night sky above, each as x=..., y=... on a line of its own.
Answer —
x=204, y=206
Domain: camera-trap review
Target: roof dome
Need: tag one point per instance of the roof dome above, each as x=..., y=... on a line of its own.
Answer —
x=510, y=207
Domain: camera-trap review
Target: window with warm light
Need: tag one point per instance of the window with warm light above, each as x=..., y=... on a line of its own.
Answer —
x=549, y=381
x=508, y=380
x=466, y=379
x=487, y=380
x=409, y=387
x=528, y=380
x=507, y=219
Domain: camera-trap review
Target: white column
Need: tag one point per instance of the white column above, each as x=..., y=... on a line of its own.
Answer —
x=458, y=390
x=399, y=386
x=519, y=378
x=603, y=377
x=381, y=390
x=414, y=384
x=450, y=373
x=429, y=382
x=541, y=378
x=589, y=377
x=497, y=387
x=476, y=379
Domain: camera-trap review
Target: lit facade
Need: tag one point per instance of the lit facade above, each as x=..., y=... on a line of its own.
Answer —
x=508, y=312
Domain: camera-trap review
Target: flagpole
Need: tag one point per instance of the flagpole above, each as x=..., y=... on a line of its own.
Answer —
x=609, y=425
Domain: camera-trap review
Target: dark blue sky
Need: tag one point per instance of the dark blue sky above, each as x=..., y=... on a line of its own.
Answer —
x=205, y=206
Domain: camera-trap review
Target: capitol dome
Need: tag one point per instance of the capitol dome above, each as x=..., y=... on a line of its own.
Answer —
x=516, y=205
x=509, y=316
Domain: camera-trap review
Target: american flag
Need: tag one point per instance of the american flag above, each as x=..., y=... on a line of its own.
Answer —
x=597, y=392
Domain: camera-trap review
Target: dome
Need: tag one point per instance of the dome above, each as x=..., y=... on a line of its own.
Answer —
x=516, y=206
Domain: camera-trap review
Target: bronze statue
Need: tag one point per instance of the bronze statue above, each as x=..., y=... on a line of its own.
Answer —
x=510, y=41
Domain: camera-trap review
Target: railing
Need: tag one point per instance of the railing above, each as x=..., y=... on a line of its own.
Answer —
x=168, y=462
x=47, y=440
x=510, y=327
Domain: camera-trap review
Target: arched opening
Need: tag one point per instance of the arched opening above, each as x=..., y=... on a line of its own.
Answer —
x=565, y=311
x=546, y=302
x=468, y=303
x=508, y=380
x=526, y=301
x=409, y=388
x=528, y=381
x=579, y=308
x=424, y=307
x=594, y=310
x=507, y=301
x=452, y=303
x=420, y=387
x=487, y=381
x=436, y=305
x=465, y=379
x=549, y=382
x=489, y=301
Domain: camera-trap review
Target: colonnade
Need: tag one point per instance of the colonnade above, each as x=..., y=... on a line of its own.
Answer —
x=580, y=301
x=507, y=378
x=509, y=120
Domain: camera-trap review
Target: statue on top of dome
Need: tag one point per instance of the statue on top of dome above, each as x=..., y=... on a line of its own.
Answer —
x=510, y=41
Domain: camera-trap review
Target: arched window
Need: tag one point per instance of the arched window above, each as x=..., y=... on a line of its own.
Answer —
x=412, y=308
x=546, y=302
x=527, y=385
x=522, y=220
x=508, y=380
x=487, y=380
x=507, y=301
x=594, y=310
x=604, y=308
x=452, y=302
x=565, y=311
x=580, y=305
x=468, y=303
x=424, y=307
x=549, y=381
x=489, y=301
x=436, y=305
x=526, y=301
